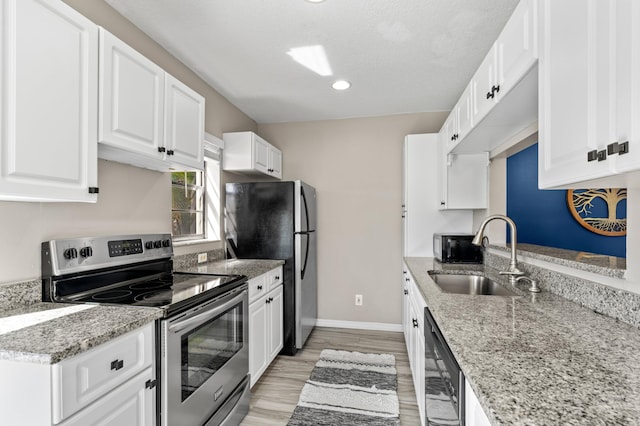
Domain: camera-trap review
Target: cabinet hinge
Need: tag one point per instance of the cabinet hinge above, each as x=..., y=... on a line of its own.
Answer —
x=150, y=384
x=94, y=190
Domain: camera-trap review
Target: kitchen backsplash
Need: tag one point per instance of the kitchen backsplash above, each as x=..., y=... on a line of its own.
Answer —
x=191, y=259
x=615, y=303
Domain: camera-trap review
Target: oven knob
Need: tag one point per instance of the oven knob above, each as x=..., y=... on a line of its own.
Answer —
x=148, y=245
x=166, y=243
x=86, y=252
x=70, y=253
x=157, y=244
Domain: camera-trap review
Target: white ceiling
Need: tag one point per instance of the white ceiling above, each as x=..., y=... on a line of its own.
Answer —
x=401, y=56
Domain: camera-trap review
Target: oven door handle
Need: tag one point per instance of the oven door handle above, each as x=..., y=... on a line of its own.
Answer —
x=207, y=315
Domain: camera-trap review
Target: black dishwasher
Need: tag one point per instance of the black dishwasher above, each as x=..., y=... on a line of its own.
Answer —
x=444, y=381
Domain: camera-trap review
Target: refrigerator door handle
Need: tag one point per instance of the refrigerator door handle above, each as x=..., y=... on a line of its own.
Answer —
x=306, y=208
x=306, y=252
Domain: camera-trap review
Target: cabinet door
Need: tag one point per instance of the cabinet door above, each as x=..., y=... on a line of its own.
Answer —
x=275, y=162
x=133, y=403
x=484, y=86
x=517, y=46
x=450, y=127
x=260, y=154
x=465, y=113
x=473, y=412
x=628, y=83
x=276, y=325
x=576, y=92
x=406, y=311
x=466, y=180
x=184, y=124
x=83, y=379
x=257, y=339
x=48, y=102
x=131, y=98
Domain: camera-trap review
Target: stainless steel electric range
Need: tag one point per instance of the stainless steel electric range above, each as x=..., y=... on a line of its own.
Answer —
x=202, y=340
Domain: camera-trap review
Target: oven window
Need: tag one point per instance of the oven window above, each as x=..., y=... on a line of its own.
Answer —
x=207, y=348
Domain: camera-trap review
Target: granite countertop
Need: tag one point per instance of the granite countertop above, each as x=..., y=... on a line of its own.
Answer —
x=538, y=359
x=249, y=267
x=41, y=333
x=610, y=266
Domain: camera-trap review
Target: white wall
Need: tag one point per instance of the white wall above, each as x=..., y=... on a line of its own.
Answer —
x=356, y=167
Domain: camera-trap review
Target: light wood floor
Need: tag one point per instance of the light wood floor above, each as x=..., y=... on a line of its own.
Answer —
x=276, y=394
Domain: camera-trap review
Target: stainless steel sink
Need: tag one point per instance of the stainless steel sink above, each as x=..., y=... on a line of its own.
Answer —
x=469, y=284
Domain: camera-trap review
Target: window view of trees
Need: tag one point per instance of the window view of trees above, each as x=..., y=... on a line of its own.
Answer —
x=187, y=210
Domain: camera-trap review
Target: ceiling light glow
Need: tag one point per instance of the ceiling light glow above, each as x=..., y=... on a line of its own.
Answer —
x=315, y=1
x=313, y=58
x=341, y=85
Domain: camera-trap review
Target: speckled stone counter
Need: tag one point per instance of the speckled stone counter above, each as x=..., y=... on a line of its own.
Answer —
x=52, y=341
x=609, y=266
x=538, y=359
x=249, y=267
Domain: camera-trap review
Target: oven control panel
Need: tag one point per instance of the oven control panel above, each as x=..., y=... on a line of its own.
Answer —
x=124, y=247
x=80, y=254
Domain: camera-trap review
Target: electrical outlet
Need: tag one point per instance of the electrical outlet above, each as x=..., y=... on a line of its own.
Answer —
x=358, y=300
x=202, y=257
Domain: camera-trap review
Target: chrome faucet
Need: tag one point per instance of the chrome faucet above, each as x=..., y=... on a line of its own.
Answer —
x=513, y=272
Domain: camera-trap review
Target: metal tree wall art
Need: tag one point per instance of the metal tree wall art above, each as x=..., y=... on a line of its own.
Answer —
x=583, y=204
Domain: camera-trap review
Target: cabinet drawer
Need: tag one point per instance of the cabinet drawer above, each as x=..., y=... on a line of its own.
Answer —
x=257, y=287
x=275, y=277
x=82, y=379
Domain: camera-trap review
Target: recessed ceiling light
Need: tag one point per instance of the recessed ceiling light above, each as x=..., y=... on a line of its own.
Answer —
x=341, y=85
x=315, y=1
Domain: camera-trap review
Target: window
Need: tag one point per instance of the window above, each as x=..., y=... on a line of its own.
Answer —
x=195, y=200
x=187, y=209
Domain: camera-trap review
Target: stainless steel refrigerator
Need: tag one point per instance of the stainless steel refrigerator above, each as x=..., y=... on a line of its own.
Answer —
x=277, y=220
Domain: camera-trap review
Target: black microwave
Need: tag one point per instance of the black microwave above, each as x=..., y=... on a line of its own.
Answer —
x=456, y=248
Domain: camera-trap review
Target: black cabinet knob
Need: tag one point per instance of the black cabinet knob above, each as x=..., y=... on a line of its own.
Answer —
x=169, y=152
x=415, y=323
x=592, y=155
x=407, y=279
x=259, y=287
x=406, y=292
x=268, y=301
x=161, y=149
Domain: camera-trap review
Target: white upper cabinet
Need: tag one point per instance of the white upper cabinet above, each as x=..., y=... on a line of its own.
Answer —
x=500, y=102
x=246, y=152
x=486, y=86
x=589, y=92
x=184, y=124
x=463, y=179
x=48, y=102
x=628, y=81
x=147, y=117
x=131, y=98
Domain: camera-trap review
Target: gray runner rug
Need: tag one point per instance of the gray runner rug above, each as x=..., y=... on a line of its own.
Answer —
x=349, y=388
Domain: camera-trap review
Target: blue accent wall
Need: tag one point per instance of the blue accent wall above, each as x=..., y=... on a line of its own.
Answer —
x=543, y=217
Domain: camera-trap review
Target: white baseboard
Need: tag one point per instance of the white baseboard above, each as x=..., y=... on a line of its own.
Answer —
x=376, y=326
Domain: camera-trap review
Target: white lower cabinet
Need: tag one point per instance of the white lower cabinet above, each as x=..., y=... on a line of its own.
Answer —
x=473, y=412
x=111, y=384
x=413, y=326
x=265, y=321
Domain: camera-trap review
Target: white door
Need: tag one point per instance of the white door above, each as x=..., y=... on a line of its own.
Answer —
x=257, y=339
x=516, y=46
x=276, y=323
x=275, y=162
x=131, y=98
x=260, y=154
x=628, y=82
x=485, y=87
x=48, y=102
x=184, y=124
x=576, y=90
x=130, y=404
